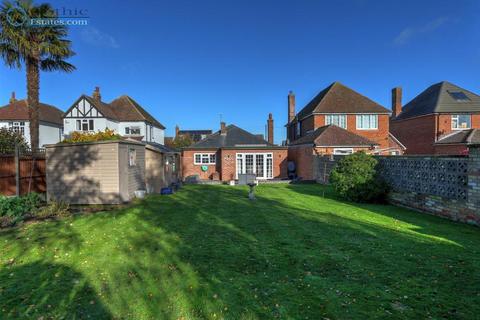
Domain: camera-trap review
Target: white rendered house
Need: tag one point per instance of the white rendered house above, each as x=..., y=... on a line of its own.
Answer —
x=124, y=115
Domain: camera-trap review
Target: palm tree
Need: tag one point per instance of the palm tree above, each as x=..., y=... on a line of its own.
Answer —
x=42, y=48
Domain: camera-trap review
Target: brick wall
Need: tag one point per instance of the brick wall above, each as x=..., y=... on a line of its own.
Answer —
x=379, y=135
x=189, y=168
x=225, y=166
x=302, y=156
x=419, y=134
x=228, y=158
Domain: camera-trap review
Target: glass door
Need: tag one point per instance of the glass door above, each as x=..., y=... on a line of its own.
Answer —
x=260, y=164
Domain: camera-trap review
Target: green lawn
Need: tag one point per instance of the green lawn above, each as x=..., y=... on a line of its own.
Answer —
x=208, y=252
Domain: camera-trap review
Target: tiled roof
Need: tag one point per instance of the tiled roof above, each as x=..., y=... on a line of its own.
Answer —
x=338, y=98
x=331, y=135
x=442, y=97
x=18, y=110
x=471, y=136
x=233, y=137
x=124, y=108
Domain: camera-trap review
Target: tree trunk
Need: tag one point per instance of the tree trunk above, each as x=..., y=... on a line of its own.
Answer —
x=33, y=97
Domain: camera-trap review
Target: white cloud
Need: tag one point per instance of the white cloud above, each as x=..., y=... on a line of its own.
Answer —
x=410, y=32
x=95, y=37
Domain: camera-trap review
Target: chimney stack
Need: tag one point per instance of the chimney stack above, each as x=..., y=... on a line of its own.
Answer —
x=13, y=98
x=96, y=94
x=177, y=129
x=291, y=106
x=270, y=128
x=223, y=129
x=396, y=101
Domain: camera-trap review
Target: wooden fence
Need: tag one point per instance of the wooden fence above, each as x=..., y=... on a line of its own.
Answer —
x=27, y=171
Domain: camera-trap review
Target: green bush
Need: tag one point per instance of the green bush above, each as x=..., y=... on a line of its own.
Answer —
x=106, y=135
x=9, y=138
x=16, y=208
x=53, y=209
x=355, y=178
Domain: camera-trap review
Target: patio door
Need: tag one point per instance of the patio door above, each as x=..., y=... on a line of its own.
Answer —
x=260, y=164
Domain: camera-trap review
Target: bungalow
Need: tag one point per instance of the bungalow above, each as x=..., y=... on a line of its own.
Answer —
x=231, y=151
x=443, y=119
x=14, y=116
x=195, y=135
x=124, y=115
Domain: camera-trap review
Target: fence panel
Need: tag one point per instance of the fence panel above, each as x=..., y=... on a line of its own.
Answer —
x=32, y=173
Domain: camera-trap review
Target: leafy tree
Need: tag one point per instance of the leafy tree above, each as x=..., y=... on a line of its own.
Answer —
x=182, y=141
x=355, y=178
x=8, y=139
x=37, y=47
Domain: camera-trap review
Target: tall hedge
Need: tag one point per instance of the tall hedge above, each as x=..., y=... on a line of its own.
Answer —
x=355, y=178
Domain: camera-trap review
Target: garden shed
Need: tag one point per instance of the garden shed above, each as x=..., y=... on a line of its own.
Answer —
x=162, y=166
x=105, y=172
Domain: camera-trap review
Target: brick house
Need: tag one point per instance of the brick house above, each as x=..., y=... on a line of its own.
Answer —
x=440, y=120
x=341, y=106
x=232, y=150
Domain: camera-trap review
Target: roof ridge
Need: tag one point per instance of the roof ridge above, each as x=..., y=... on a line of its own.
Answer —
x=439, y=94
x=470, y=136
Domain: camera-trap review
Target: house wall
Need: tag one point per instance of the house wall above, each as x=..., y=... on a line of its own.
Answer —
x=48, y=134
x=417, y=134
x=70, y=124
x=379, y=135
x=445, y=123
x=225, y=167
x=229, y=162
x=302, y=156
x=451, y=149
x=191, y=169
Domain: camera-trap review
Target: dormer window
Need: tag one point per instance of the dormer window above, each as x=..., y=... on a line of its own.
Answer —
x=461, y=121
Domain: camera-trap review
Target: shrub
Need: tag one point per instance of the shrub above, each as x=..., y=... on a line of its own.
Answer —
x=8, y=138
x=53, y=209
x=106, y=135
x=355, y=178
x=16, y=208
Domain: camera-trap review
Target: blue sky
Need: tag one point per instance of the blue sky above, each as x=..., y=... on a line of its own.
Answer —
x=188, y=62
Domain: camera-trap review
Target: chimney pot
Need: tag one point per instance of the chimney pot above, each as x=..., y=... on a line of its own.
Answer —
x=396, y=101
x=96, y=94
x=270, y=128
x=13, y=98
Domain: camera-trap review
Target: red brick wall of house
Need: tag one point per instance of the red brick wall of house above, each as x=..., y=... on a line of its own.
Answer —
x=417, y=134
x=451, y=149
x=302, y=156
x=380, y=135
x=445, y=123
x=190, y=169
x=229, y=162
x=226, y=163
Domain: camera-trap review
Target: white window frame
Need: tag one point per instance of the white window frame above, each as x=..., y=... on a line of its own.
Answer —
x=456, y=117
x=205, y=159
x=361, y=125
x=87, y=122
x=128, y=131
x=17, y=126
x=267, y=157
x=337, y=151
x=336, y=119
